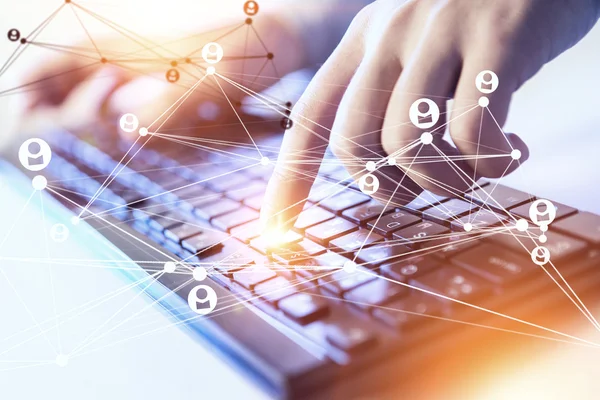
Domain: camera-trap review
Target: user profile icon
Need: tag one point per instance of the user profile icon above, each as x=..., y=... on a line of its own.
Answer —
x=486, y=82
x=59, y=233
x=542, y=212
x=13, y=35
x=202, y=299
x=35, y=154
x=129, y=123
x=172, y=75
x=424, y=113
x=368, y=184
x=212, y=53
x=251, y=8
x=540, y=255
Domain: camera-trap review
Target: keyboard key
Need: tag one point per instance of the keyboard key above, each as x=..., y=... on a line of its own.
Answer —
x=422, y=234
x=452, y=282
x=323, y=189
x=499, y=197
x=366, y=212
x=448, y=246
x=204, y=243
x=166, y=221
x=180, y=232
x=349, y=338
x=212, y=210
x=344, y=200
x=321, y=264
x=424, y=200
x=255, y=202
x=312, y=216
x=561, y=211
x=404, y=270
x=561, y=247
x=275, y=289
x=328, y=230
x=393, y=222
x=228, y=181
x=356, y=240
x=247, y=231
x=478, y=219
x=253, y=188
x=375, y=293
x=252, y=275
x=448, y=211
x=304, y=308
x=496, y=264
x=342, y=281
x=296, y=253
x=382, y=253
x=584, y=225
x=235, y=257
x=409, y=311
x=230, y=220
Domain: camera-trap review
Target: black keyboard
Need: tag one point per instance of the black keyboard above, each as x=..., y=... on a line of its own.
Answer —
x=306, y=324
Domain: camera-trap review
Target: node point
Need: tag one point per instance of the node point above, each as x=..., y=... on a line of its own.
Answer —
x=349, y=266
x=426, y=138
x=210, y=71
x=67, y=1
x=371, y=166
x=199, y=273
x=103, y=60
x=522, y=225
x=143, y=131
x=265, y=161
x=391, y=161
x=288, y=104
x=62, y=360
x=543, y=228
x=188, y=60
x=515, y=154
x=249, y=21
x=173, y=63
x=23, y=41
x=75, y=220
x=543, y=238
x=270, y=56
x=484, y=101
x=170, y=267
x=468, y=227
x=39, y=182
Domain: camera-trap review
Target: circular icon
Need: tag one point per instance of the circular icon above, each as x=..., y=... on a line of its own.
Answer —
x=202, y=299
x=172, y=75
x=486, y=81
x=542, y=213
x=540, y=255
x=286, y=123
x=251, y=8
x=14, y=35
x=424, y=113
x=129, y=123
x=35, y=154
x=212, y=53
x=59, y=233
x=368, y=184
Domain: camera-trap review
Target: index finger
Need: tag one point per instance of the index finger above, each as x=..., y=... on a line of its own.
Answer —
x=305, y=143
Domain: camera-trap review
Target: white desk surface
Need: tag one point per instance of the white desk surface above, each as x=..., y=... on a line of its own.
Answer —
x=556, y=112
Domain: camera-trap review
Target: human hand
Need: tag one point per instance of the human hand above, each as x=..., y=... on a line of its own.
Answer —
x=123, y=75
x=393, y=54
